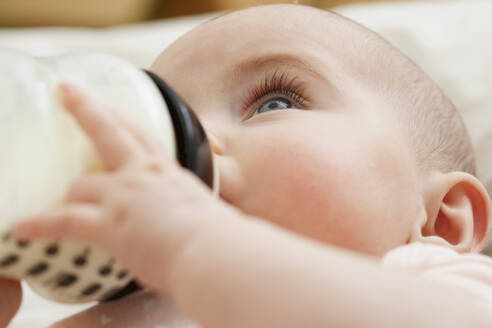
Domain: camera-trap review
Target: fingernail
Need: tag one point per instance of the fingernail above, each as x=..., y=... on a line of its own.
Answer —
x=66, y=94
x=67, y=88
x=66, y=91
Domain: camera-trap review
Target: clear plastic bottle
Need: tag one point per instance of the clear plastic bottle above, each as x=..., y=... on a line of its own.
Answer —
x=43, y=151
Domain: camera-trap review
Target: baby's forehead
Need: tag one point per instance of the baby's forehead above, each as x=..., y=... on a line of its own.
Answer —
x=287, y=23
x=294, y=30
x=343, y=53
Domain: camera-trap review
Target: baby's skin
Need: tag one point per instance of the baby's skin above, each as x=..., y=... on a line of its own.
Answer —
x=317, y=182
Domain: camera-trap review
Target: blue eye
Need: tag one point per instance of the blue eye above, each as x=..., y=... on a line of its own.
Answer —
x=275, y=103
x=276, y=92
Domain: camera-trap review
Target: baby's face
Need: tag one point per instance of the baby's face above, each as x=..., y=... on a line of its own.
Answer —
x=299, y=136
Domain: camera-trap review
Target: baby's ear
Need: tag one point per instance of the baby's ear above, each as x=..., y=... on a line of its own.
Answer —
x=458, y=211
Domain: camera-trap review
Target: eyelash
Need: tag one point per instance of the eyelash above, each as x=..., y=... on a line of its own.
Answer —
x=276, y=84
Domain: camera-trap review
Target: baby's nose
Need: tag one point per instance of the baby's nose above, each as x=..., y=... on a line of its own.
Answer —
x=215, y=144
x=216, y=134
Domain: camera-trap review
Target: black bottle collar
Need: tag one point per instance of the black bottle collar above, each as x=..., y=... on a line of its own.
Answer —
x=193, y=150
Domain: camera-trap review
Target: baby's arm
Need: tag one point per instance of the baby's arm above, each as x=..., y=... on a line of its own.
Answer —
x=223, y=268
x=252, y=274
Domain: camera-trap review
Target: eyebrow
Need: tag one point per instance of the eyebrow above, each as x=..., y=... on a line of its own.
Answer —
x=285, y=59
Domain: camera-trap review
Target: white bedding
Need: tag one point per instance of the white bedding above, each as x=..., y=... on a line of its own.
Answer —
x=449, y=39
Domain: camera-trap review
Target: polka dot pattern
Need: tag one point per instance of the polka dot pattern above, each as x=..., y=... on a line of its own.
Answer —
x=63, y=271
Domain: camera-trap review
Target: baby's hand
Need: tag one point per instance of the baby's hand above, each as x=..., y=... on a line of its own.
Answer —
x=144, y=210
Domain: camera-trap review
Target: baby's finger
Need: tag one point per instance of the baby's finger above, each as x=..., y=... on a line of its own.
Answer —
x=113, y=142
x=150, y=143
x=82, y=222
x=88, y=188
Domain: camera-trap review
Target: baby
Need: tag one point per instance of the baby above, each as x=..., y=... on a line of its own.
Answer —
x=340, y=163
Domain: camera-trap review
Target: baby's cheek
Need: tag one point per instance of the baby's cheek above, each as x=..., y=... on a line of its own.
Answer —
x=306, y=189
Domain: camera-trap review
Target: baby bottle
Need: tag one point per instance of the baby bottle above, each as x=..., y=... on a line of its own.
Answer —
x=44, y=151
